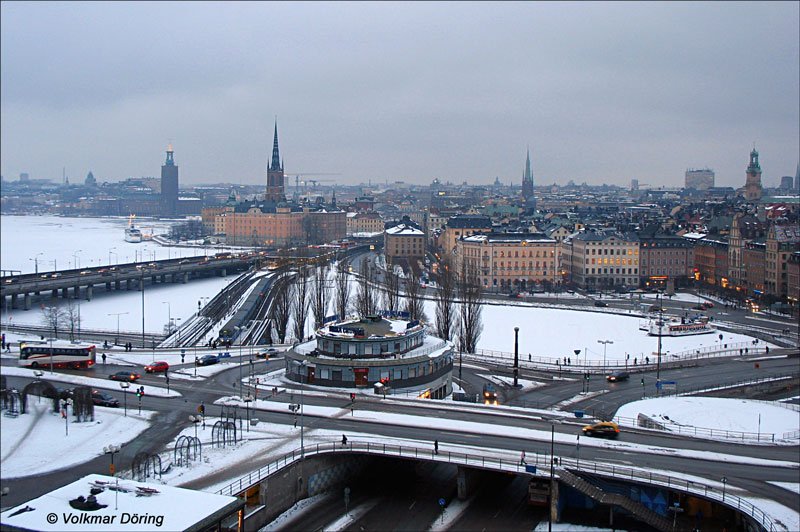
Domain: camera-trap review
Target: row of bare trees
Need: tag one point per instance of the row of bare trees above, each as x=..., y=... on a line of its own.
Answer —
x=312, y=290
x=63, y=318
x=459, y=302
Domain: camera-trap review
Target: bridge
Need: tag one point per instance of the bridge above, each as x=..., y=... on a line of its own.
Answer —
x=313, y=469
x=81, y=283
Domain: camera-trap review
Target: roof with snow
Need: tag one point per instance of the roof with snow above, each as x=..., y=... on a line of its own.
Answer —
x=121, y=505
x=404, y=230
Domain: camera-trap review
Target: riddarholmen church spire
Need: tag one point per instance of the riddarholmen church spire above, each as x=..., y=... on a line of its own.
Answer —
x=276, y=156
x=275, y=182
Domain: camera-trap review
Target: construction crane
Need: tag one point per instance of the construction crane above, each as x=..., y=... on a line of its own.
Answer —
x=305, y=183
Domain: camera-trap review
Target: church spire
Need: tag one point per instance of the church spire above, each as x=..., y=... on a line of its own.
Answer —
x=276, y=156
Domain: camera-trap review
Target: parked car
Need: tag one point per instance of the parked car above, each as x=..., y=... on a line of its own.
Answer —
x=157, y=367
x=130, y=376
x=600, y=304
x=699, y=307
x=604, y=429
x=617, y=376
x=104, y=399
x=208, y=360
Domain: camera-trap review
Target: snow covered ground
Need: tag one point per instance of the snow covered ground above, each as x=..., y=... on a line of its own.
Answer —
x=28, y=442
x=717, y=414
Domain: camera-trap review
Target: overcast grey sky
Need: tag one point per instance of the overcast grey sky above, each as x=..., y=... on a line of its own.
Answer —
x=601, y=92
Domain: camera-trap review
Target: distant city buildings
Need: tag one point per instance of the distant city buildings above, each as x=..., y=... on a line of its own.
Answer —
x=699, y=179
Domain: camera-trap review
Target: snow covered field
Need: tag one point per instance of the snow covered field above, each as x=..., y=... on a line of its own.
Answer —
x=719, y=414
x=28, y=442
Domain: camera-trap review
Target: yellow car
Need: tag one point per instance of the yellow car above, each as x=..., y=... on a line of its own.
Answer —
x=604, y=429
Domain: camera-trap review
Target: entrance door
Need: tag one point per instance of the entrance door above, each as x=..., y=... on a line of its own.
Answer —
x=361, y=376
x=312, y=371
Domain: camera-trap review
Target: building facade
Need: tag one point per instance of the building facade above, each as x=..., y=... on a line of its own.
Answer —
x=665, y=260
x=397, y=354
x=364, y=222
x=462, y=226
x=403, y=245
x=699, y=179
x=601, y=260
x=509, y=262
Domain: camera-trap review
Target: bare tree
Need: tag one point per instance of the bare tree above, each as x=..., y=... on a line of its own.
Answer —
x=320, y=295
x=414, y=300
x=300, y=304
x=342, y=289
x=281, y=307
x=54, y=318
x=365, y=293
x=72, y=316
x=470, y=293
x=391, y=293
x=445, y=300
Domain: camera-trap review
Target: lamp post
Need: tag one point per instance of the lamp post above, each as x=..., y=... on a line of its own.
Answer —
x=605, y=344
x=241, y=385
x=660, y=332
x=35, y=260
x=75, y=259
x=247, y=399
x=724, y=483
x=124, y=386
x=117, y=314
x=110, y=251
x=111, y=450
x=141, y=286
x=552, y=466
x=178, y=327
x=55, y=264
x=169, y=315
x=302, y=407
x=65, y=403
x=196, y=420
x=516, y=357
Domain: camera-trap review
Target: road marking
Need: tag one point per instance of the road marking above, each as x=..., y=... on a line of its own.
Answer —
x=412, y=505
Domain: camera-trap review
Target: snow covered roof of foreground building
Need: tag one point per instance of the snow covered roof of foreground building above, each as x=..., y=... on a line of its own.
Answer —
x=121, y=504
x=403, y=229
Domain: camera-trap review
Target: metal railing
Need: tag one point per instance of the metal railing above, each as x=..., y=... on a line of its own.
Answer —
x=505, y=463
x=703, y=432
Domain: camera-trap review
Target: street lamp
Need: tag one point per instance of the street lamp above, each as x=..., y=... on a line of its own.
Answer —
x=110, y=251
x=239, y=329
x=516, y=357
x=724, y=483
x=247, y=399
x=302, y=408
x=111, y=450
x=178, y=327
x=605, y=344
x=125, y=386
x=65, y=403
x=169, y=315
x=75, y=262
x=117, y=314
x=36, y=262
x=196, y=420
x=141, y=286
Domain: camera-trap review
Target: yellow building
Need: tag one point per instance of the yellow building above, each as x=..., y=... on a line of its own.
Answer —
x=509, y=261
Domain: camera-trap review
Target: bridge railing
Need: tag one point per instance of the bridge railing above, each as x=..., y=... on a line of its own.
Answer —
x=506, y=462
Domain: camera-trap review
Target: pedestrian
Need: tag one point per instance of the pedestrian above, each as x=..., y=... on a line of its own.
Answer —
x=436, y=446
x=634, y=361
x=344, y=440
x=295, y=423
x=529, y=357
x=522, y=459
x=647, y=360
x=569, y=361
x=767, y=349
x=4, y=340
x=104, y=359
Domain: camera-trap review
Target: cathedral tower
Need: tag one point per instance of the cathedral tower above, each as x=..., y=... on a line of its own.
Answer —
x=169, y=185
x=752, y=190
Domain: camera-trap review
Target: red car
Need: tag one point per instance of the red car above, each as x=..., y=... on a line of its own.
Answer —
x=157, y=367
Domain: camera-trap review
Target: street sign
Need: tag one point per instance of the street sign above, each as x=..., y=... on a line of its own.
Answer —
x=530, y=468
x=442, y=502
x=667, y=385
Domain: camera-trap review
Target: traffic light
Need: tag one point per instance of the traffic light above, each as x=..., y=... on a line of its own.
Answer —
x=140, y=392
x=353, y=397
x=201, y=409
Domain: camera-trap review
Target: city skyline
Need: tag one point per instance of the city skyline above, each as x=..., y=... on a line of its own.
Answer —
x=602, y=93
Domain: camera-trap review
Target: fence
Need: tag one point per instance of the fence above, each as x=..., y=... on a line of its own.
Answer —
x=702, y=432
x=646, y=361
x=506, y=463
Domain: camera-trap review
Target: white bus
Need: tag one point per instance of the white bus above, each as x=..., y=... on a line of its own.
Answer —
x=59, y=353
